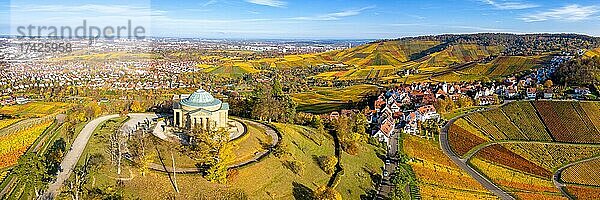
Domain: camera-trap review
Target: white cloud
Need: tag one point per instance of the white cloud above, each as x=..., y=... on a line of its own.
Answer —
x=567, y=13
x=272, y=3
x=88, y=9
x=334, y=15
x=445, y=27
x=509, y=5
x=209, y=2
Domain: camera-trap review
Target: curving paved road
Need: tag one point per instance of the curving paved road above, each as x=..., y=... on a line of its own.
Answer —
x=462, y=163
x=74, y=154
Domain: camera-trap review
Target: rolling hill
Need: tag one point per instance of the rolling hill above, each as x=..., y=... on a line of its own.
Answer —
x=381, y=53
x=454, y=57
x=592, y=52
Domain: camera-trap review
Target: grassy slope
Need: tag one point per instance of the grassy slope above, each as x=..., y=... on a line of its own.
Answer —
x=252, y=142
x=266, y=179
x=271, y=179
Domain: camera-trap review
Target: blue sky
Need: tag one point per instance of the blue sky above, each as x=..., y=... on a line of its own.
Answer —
x=312, y=19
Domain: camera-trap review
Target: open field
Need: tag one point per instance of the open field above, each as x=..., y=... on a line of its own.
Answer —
x=270, y=178
x=34, y=109
x=253, y=142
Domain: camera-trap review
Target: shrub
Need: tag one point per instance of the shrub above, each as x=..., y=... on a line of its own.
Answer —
x=327, y=163
x=327, y=193
x=295, y=166
x=281, y=151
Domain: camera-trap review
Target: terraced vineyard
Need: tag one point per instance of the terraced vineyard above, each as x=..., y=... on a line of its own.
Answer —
x=522, y=114
x=517, y=183
x=232, y=69
x=381, y=53
x=593, y=52
x=438, y=176
x=500, y=155
x=520, y=146
x=486, y=126
x=504, y=124
x=567, y=122
x=7, y=122
x=15, y=144
x=584, y=192
x=504, y=65
x=459, y=54
x=462, y=140
x=585, y=173
x=552, y=156
x=327, y=99
x=441, y=61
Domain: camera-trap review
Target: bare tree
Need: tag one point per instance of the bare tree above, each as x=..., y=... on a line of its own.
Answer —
x=81, y=176
x=116, y=148
x=174, y=178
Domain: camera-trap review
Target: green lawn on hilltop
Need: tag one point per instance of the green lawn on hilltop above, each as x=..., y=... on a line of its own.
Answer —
x=271, y=179
x=266, y=179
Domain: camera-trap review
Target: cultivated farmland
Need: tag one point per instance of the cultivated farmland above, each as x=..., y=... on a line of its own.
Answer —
x=585, y=173
x=520, y=146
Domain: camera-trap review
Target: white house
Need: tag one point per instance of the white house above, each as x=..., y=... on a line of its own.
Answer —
x=428, y=112
x=386, y=129
x=531, y=93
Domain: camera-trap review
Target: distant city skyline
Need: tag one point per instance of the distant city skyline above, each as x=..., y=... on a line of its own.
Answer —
x=311, y=19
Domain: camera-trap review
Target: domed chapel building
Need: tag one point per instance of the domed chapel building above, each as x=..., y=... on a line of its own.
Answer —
x=200, y=109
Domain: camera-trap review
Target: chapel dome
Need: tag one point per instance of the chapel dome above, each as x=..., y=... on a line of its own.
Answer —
x=200, y=98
